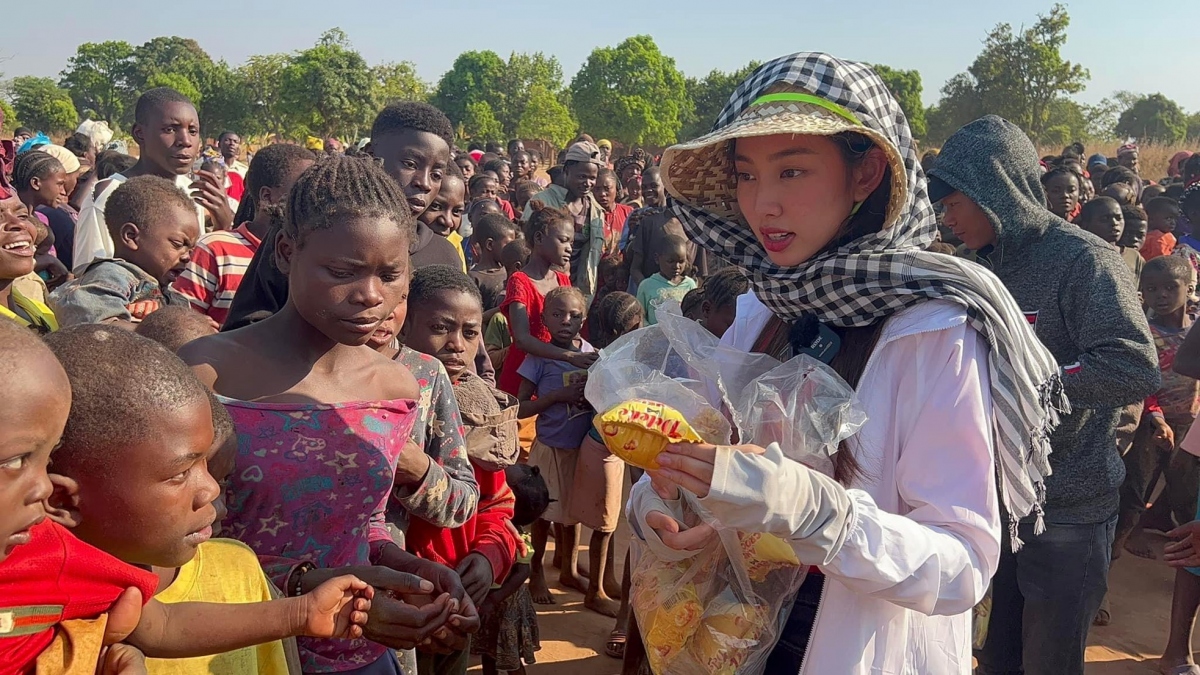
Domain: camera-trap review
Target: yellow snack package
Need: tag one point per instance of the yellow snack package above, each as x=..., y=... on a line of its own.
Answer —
x=637, y=431
x=765, y=553
x=728, y=632
x=669, y=627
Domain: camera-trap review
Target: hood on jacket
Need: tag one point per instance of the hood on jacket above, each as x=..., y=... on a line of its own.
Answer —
x=995, y=165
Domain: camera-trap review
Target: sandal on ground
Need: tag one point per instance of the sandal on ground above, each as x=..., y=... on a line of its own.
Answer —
x=615, y=647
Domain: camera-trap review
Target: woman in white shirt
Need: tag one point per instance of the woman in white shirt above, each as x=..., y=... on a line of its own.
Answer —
x=811, y=184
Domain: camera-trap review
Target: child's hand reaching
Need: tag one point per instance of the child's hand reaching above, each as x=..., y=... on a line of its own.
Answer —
x=1164, y=435
x=122, y=660
x=143, y=308
x=337, y=608
x=1186, y=551
x=583, y=359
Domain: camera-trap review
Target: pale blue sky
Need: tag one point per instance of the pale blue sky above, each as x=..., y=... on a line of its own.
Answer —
x=1142, y=48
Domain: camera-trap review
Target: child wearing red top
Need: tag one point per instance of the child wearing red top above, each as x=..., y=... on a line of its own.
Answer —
x=448, y=328
x=550, y=233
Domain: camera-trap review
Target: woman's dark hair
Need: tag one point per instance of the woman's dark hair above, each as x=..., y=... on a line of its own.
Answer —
x=338, y=187
x=79, y=144
x=530, y=492
x=1120, y=174
x=693, y=303
x=615, y=311
x=542, y=217
x=464, y=157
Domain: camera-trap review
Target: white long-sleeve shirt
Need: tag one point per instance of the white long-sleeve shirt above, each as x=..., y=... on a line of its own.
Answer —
x=923, y=536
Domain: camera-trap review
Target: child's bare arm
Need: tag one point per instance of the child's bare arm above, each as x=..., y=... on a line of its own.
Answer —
x=338, y=608
x=516, y=577
x=530, y=406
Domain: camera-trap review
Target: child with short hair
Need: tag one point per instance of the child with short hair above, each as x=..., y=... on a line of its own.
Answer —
x=491, y=234
x=444, y=214
x=670, y=281
x=550, y=233
x=1134, y=235
x=615, y=213
x=174, y=327
x=43, y=566
x=552, y=389
x=487, y=186
x=153, y=227
x=482, y=550
x=1167, y=285
x=508, y=632
x=496, y=336
x=721, y=293
x=1102, y=217
x=522, y=192
x=314, y=409
x=1162, y=214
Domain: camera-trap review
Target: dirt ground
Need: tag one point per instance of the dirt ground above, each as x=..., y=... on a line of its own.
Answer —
x=573, y=637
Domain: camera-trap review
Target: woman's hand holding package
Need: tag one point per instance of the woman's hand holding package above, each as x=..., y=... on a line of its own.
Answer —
x=754, y=489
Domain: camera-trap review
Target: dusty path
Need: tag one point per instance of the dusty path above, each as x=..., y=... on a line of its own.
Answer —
x=573, y=637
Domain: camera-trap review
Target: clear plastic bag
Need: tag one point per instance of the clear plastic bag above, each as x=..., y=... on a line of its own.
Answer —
x=721, y=610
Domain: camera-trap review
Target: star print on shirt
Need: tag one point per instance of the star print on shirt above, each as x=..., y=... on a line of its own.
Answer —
x=343, y=461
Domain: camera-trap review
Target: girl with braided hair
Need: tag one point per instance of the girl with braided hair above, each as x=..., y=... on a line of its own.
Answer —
x=810, y=184
x=313, y=407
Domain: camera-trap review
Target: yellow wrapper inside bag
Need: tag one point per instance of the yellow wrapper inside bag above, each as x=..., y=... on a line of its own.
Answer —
x=637, y=431
x=765, y=553
x=728, y=632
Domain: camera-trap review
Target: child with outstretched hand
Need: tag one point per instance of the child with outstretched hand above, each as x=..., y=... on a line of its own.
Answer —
x=312, y=408
x=49, y=579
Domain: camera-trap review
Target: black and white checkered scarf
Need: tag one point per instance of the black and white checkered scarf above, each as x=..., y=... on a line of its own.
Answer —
x=870, y=278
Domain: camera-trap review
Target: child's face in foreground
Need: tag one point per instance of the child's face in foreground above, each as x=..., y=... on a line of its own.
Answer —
x=671, y=263
x=346, y=280
x=417, y=160
x=164, y=248
x=1164, y=293
x=554, y=245
x=1106, y=222
x=445, y=214
x=34, y=404
x=157, y=507
x=564, y=317
x=17, y=236
x=1164, y=220
x=447, y=328
x=390, y=328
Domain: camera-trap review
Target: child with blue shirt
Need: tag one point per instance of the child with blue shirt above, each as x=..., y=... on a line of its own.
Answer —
x=553, y=391
x=669, y=282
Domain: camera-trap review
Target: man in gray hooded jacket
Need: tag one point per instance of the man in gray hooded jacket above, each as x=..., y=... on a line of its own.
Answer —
x=1079, y=296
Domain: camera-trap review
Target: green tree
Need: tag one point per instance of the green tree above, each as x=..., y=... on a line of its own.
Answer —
x=632, y=93
x=546, y=118
x=173, y=55
x=958, y=105
x=480, y=123
x=522, y=74
x=178, y=82
x=1193, y=126
x=11, y=121
x=262, y=76
x=42, y=105
x=709, y=96
x=397, y=82
x=905, y=86
x=97, y=78
x=1153, y=118
x=331, y=84
x=1018, y=76
x=227, y=104
x=474, y=78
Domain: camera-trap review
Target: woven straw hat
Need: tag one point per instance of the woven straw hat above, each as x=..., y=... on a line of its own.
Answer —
x=701, y=173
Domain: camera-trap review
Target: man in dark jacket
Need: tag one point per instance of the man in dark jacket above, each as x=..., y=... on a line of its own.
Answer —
x=1079, y=296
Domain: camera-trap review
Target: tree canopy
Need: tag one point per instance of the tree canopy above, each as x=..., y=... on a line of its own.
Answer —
x=1154, y=118
x=39, y=103
x=632, y=92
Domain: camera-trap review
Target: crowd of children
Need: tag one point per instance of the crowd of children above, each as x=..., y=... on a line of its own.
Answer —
x=397, y=499
x=389, y=508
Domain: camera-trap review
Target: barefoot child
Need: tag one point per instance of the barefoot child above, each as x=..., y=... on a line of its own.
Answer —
x=550, y=233
x=508, y=632
x=346, y=415
x=1167, y=283
x=670, y=281
x=153, y=227
x=553, y=391
x=44, y=567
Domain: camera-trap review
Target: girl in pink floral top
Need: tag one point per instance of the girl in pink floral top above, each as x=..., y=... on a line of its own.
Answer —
x=323, y=424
